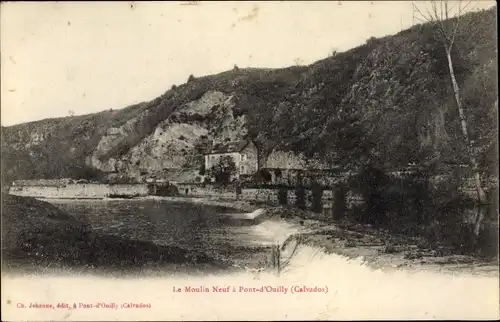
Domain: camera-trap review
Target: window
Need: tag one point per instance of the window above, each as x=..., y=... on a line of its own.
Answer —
x=242, y=169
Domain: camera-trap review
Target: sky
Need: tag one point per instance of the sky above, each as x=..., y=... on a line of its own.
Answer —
x=64, y=58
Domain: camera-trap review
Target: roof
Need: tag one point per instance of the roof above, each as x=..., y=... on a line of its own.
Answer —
x=228, y=147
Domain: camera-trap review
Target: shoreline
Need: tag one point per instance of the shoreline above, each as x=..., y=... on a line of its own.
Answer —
x=353, y=243
x=318, y=233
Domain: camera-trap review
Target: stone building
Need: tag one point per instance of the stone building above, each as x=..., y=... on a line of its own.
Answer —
x=286, y=166
x=243, y=153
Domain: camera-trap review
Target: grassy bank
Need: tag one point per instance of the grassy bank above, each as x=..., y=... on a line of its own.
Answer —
x=38, y=237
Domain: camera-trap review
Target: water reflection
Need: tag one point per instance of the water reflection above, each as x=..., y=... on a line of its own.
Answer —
x=195, y=227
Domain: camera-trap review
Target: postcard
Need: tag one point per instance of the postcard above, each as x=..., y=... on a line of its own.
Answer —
x=265, y=160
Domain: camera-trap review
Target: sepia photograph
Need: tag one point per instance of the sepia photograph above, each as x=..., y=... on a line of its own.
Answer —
x=260, y=160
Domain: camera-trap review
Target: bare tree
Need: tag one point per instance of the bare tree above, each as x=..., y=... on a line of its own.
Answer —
x=448, y=31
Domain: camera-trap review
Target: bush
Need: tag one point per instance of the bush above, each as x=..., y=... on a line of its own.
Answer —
x=167, y=191
x=350, y=243
x=87, y=173
x=263, y=175
x=195, y=117
x=223, y=171
x=372, y=40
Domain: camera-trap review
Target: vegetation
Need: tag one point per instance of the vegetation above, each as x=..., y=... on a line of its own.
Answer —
x=263, y=176
x=165, y=190
x=390, y=100
x=414, y=206
x=223, y=170
x=377, y=107
x=448, y=33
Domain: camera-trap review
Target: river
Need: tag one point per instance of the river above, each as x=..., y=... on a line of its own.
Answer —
x=338, y=288
x=213, y=230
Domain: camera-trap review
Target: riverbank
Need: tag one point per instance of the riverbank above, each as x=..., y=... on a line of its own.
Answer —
x=38, y=237
x=376, y=248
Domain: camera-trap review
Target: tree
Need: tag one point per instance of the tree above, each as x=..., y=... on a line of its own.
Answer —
x=86, y=172
x=223, y=170
x=264, y=176
x=448, y=31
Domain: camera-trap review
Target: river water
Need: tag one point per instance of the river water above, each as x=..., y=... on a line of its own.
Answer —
x=216, y=231
x=352, y=289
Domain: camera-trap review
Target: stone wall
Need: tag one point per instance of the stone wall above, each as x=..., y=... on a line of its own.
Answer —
x=284, y=160
x=291, y=160
x=270, y=195
x=193, y=190
x=80, y=191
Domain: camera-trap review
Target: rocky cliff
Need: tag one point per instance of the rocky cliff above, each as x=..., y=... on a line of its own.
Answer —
x=388, y=101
